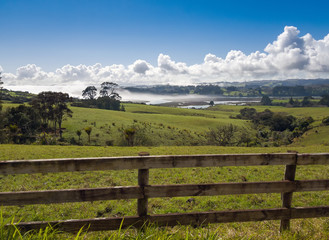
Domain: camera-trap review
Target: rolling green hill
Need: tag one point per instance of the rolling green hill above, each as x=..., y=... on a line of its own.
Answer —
x=169, y=126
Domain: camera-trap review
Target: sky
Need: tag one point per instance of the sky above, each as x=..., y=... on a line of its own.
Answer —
x=71, y=44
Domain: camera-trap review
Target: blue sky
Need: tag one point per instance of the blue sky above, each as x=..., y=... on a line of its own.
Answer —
x=58, y=32
x=52, y=34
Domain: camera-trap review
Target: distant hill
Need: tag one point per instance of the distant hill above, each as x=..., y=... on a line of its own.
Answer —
x=289, y=87
x=16, y=96
x=288, y=82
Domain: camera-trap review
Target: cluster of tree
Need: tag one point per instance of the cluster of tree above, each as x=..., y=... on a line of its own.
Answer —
x=289, y=91
x=0, y=92
x=44, y=116
x=108, y=97
x=208, y=90
x=239, y=90
x=162, y=89
x=305, y=102
x=312, y=90
x=324, y=100
x=205, y=89
x=1, y=117
x=275, y=125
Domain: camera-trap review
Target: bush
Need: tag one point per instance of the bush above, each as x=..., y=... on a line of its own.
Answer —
x=325, y=121
x=109, y=142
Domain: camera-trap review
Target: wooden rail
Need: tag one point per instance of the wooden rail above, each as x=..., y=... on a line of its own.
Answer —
x=144, y=191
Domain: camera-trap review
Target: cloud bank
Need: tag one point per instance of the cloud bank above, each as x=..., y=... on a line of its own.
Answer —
x=289, y=56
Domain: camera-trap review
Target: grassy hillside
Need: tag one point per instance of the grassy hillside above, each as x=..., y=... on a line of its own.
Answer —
x=176, y=126
x=167, y=126
x=159, y=125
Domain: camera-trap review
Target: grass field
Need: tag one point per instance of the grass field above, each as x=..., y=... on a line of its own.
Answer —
x=176, y=126
x=309, y=228
x=170, y=126
x=167, y=126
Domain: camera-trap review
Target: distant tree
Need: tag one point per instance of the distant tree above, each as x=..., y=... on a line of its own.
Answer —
x=291, y=101
x=78, y=132
x=52, y=107
x=280, y=122
x=129, y=134
x=222, y=135
x=88, y=131
x=109, y=89
x=325, y=100
x=122, y=108
x=61, y=109
x=247, y=113
x=44, y=104
x=22, y=123
x=90, y=92
x=0, y=92
x=306, y=102
x=245, y=138
x=266, y=101
x=325, y=121
x=231, y=88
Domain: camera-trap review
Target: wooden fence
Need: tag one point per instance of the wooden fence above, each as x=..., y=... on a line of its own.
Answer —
x=144, y=191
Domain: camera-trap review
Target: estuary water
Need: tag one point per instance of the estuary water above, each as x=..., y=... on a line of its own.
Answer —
x=185, y=101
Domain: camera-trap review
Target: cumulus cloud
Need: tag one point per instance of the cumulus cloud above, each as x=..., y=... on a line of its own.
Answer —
x=288, y=56
x=141, y=66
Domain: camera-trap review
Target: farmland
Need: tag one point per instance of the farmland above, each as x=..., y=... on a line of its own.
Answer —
x=166, y=122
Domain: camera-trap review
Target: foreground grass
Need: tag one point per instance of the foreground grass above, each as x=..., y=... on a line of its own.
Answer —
x=301, y=229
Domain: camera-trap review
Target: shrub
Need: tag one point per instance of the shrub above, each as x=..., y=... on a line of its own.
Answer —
x=325, y=121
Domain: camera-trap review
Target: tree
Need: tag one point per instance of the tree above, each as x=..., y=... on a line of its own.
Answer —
x=129, y=134
x=266, y=101
x=247, y=113
x=291, y=101
x=44, y=103
x=88, y=131
x=0, y=92
x=325, y=121
x=61, y=109
x=222, y=135
x=306, y=102
x=78, y=132
x=52, y=107
x=22, y=123
x=325, y=100
x=109, y=89
x=90, y=92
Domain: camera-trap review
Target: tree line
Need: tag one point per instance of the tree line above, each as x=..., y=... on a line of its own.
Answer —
x=108, y=97
x=237, y=91
x=37, y=121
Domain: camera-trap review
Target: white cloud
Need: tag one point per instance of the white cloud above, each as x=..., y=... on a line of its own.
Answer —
x=289, y=56
x=141, y=66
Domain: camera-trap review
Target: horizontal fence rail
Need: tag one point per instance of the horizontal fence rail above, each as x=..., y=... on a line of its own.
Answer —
x=158, y=191
x=194, y=219
x=144, y=191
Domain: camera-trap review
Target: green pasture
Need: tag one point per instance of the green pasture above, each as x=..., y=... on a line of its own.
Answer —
x=162, y=125
x=25, y=182
x=168, y=126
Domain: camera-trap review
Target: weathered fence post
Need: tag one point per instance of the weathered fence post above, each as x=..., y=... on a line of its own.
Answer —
x=289, y=175
x=143, y=180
